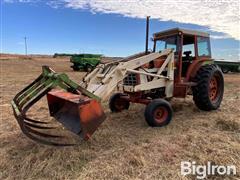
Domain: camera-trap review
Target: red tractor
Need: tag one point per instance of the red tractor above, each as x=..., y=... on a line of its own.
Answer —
x=194, y=74
x=179, y=65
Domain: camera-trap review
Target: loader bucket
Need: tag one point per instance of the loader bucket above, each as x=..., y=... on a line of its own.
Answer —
x=78, y=110
x=77, y=113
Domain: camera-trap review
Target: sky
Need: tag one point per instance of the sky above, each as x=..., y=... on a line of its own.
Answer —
x=114, y=27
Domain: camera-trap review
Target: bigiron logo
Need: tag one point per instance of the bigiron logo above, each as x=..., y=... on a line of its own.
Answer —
x=202, y=171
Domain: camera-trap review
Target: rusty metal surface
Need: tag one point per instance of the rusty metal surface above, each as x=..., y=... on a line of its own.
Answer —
x=77, y=113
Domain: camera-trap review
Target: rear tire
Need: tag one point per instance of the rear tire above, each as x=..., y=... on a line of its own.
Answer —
x=208, y=92
x=158, y=113
x=118, y=104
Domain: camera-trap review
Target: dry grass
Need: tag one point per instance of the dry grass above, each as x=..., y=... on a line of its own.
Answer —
x=124, y=147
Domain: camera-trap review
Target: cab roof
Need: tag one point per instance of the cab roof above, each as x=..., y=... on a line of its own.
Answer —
x=179, y=30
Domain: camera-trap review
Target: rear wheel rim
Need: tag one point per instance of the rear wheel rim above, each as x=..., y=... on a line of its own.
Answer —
x=160, y=114
x=213, y=89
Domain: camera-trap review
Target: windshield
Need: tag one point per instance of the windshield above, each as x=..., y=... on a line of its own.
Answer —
x=166, y=43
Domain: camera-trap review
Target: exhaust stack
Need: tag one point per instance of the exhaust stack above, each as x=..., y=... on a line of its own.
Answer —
x=147, y=34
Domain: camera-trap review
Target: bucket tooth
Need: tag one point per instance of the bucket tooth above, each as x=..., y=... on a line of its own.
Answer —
x=39, y=136
x=37, y=126
x=34, y=121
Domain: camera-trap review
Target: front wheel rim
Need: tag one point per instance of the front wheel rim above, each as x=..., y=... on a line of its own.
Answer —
x=160, y=114
x=120, y=104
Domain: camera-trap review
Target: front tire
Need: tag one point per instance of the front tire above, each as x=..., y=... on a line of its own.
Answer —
x=208, y=93
x=158, y=113
x=118, y=104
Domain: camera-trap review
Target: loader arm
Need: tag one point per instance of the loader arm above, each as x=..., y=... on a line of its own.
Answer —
x=106, y=77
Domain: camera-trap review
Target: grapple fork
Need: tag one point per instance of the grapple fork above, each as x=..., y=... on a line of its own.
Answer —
x=73, y=106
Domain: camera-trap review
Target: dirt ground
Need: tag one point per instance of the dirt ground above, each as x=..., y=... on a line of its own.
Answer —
x=124, y=147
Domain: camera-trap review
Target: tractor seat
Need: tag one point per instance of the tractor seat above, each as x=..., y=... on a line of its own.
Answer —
x=187, y=53
x=187, y=57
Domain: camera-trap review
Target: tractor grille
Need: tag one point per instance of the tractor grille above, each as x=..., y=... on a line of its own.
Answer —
x=130, y=80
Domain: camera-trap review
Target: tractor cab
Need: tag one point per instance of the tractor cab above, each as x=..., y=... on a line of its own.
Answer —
x=190, y=47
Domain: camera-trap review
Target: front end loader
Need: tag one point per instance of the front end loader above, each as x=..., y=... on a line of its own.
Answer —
x=77, y=107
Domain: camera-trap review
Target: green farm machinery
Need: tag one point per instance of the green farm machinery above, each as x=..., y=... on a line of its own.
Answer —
x=228, y=66
x=56, y=55
x=85, y=62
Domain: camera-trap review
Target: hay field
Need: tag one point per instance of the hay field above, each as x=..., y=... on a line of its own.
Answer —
x=124, y=147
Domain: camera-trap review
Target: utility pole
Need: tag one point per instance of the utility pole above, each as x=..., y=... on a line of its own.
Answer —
x=25, y=39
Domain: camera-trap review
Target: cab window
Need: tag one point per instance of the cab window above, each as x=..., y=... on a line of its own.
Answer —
x=203, y=44
x=167, y=43
x=188, y=50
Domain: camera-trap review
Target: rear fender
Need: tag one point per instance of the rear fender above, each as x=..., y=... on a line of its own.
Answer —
x=181, y=89
x=194, y=67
